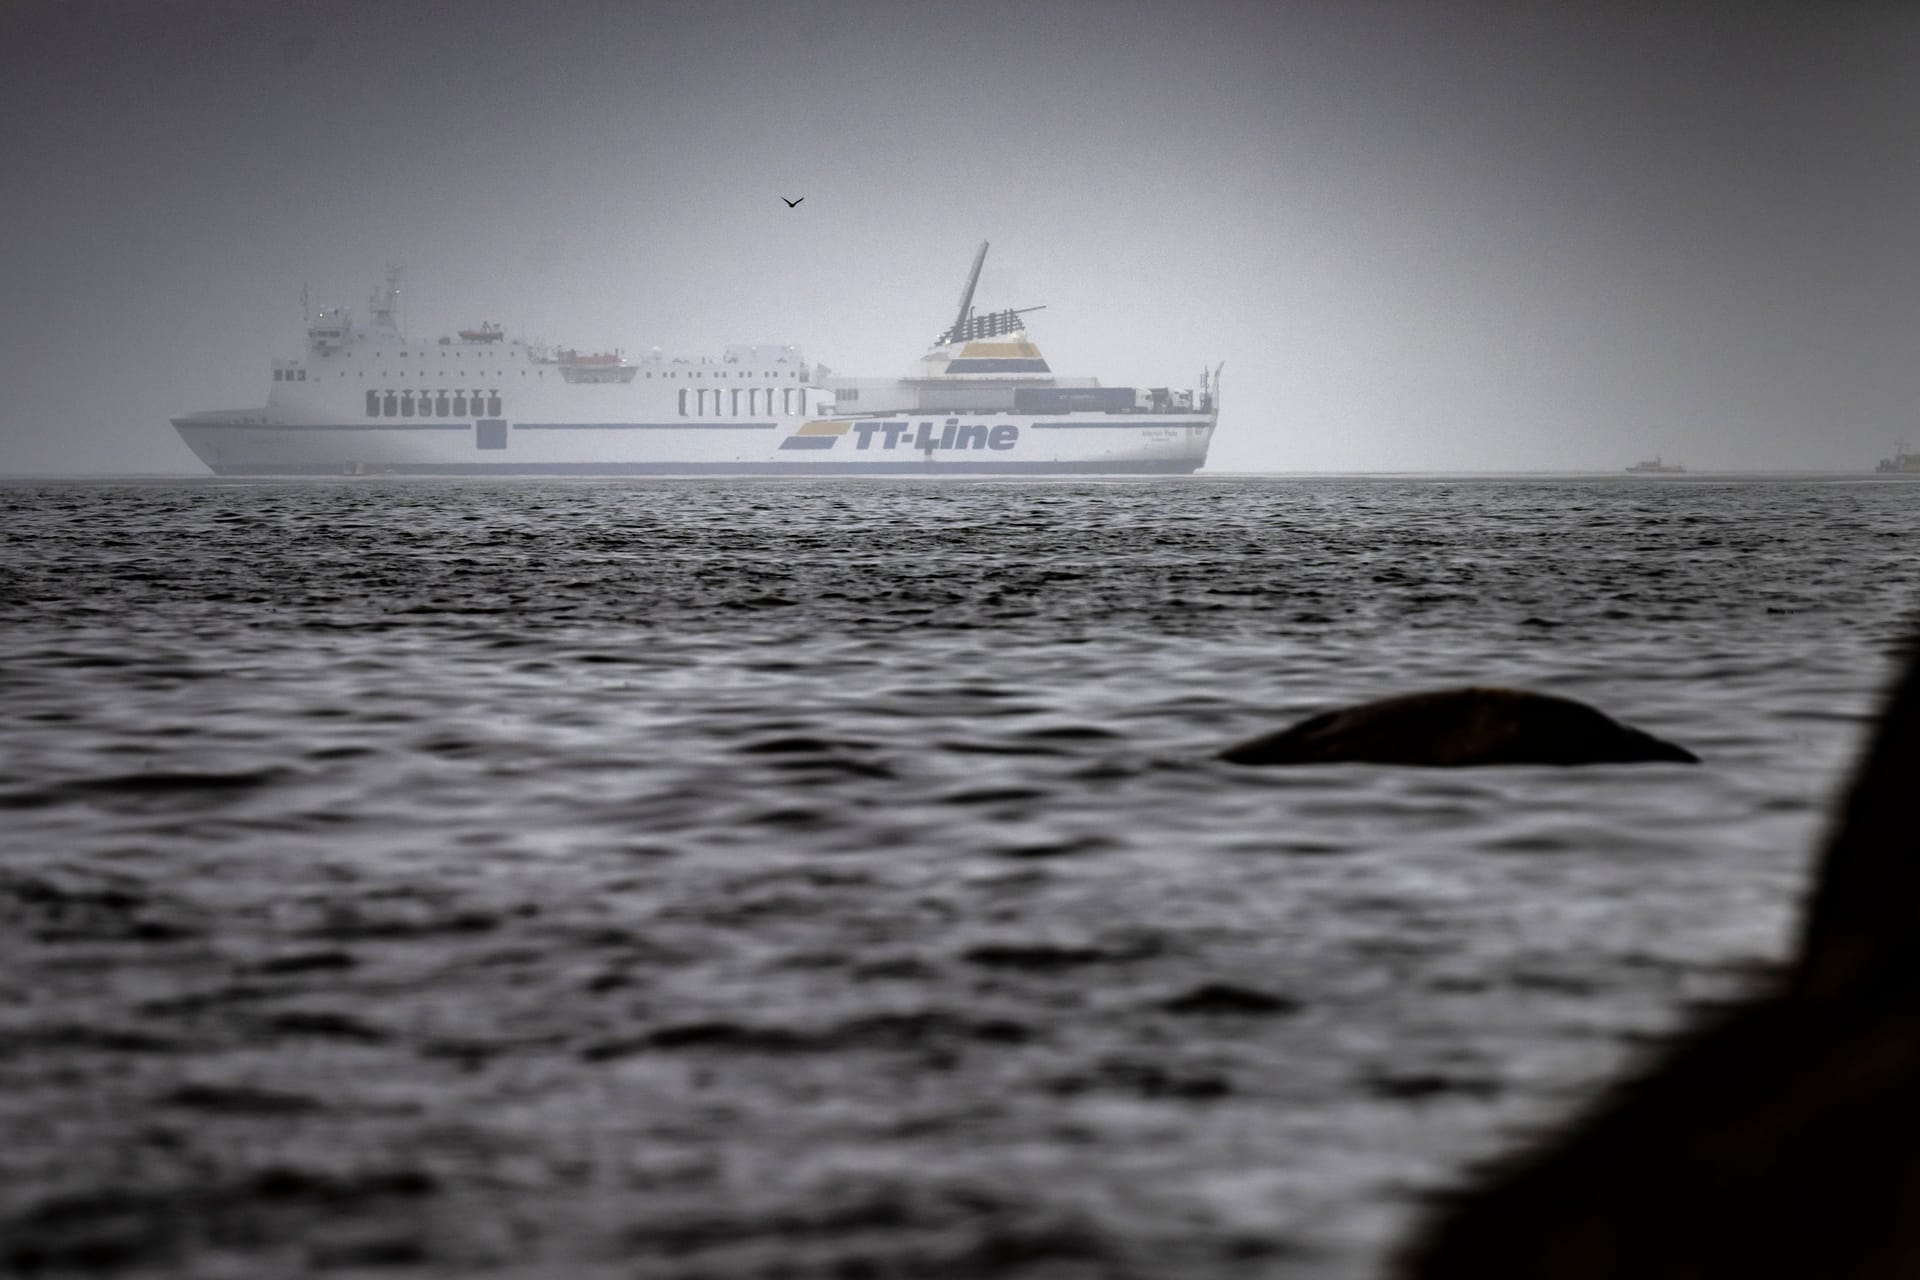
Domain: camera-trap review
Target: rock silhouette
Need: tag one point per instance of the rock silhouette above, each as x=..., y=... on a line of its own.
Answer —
x=1779, y=1139
x=1460, y=727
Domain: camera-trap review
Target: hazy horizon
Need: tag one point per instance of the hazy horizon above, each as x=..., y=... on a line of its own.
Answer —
x=1420, y=236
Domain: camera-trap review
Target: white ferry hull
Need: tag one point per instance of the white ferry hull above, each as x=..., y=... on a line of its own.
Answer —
x=251, y=443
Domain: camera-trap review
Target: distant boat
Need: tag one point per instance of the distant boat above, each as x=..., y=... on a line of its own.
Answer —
x=1654, y=466
x=1901, y=463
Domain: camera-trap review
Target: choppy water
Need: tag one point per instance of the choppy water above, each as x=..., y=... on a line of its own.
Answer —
x=831, y=879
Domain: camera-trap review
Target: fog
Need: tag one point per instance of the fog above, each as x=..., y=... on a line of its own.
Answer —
x=1419, y=235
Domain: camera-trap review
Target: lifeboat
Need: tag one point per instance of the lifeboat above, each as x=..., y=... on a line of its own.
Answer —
x=485, y=333
x=601, y=366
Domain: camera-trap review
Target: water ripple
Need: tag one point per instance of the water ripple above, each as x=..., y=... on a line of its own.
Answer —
x=589, y=877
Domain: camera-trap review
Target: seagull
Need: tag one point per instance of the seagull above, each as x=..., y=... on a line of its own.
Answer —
x=791, y=203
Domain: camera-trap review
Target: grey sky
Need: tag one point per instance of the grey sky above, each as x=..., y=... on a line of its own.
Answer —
x=1421, y=235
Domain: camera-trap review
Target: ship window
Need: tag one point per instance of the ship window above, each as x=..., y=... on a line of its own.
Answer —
x=373, y=404
x=406, y=404
x=493, y=405
x=734, y=403
x=459, y=404
x=393, y=405
x=786, y=399
x=303, y=375
x=683, y=402
x=441, y=406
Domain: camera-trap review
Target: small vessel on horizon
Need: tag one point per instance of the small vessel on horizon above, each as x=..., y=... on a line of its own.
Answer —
x=1902, y=462
x=1656, y=466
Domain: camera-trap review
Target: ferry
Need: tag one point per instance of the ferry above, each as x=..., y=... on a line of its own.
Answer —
x=1655, y=466
x=367, y=399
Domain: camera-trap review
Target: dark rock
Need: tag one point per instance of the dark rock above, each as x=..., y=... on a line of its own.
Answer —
x=1459, y=727
x=1776, y=1138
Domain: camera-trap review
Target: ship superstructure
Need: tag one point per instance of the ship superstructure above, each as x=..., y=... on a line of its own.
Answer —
x=367, y=398
x=985, y=389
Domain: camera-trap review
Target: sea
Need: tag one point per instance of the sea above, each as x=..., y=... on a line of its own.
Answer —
x=759, y=878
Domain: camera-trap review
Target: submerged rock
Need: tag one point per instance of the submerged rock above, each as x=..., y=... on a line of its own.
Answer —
x=1779, y=1139
x=1459, y=727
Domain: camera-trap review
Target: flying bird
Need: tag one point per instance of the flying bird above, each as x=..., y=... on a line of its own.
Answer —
x=791, y=203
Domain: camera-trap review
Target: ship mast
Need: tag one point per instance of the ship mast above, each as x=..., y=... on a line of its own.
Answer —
x=966, y=297
x=387, y=300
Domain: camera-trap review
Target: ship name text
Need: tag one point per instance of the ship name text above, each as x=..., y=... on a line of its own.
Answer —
x=926, y=436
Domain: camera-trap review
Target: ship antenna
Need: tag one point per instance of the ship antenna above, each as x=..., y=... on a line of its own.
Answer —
x=966, y=299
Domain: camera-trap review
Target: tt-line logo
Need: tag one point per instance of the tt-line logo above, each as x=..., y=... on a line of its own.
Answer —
x=904, y=435
x=924, y=437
